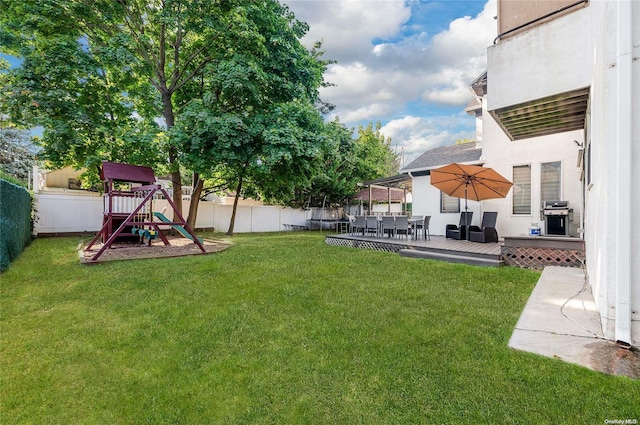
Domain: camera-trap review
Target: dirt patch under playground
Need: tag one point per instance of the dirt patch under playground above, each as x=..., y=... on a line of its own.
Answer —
x=179, y=247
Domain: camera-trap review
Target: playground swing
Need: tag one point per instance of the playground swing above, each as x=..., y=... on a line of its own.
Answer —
x=140, y=220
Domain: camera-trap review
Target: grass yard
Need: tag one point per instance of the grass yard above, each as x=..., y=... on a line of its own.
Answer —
x=280, y=329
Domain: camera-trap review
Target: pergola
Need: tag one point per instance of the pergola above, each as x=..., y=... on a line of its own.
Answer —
x=395, y=187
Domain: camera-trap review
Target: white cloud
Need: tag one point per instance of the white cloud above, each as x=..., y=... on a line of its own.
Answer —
x=390, y=67
x=418, y=134
x=366, y=113
x=348, y=27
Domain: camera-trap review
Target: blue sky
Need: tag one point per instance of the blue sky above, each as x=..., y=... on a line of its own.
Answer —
x=405, y=63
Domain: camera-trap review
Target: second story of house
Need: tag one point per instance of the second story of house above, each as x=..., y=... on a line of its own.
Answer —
x=540, y=66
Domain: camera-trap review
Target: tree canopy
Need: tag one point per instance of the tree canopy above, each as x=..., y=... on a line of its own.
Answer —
x=98, y=75
x=224, y=89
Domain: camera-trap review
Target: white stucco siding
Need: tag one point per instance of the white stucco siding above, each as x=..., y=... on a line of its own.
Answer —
x=426, y=201
x=546, y=60
x=599, y=195
x=502, y=154
x=609, y=193
x=635, y=177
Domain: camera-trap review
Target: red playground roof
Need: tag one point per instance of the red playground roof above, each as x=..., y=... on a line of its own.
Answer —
x=127, y=173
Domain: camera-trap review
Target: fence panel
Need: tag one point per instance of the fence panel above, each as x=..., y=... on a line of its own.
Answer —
x=66, y=213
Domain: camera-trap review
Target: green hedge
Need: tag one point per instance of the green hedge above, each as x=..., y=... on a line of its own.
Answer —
x=15, y=222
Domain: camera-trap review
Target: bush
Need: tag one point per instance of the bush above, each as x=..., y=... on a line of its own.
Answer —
x=15, y=222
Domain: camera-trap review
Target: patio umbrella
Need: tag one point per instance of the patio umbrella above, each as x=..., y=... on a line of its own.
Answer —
x=471, y=182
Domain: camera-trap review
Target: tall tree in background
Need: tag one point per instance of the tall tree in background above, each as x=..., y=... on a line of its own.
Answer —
x=17, y=153
x=375, y=157
x=336, y=179
x=343, y=162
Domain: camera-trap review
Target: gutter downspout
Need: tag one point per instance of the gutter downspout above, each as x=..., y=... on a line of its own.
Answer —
x=623, y=172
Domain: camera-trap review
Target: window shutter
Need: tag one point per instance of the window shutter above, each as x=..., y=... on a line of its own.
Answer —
x=449, y=203
x=550, y=181
x=522, y=189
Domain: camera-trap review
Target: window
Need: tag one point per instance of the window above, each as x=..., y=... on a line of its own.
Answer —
x=550, y=181
x=521, y=189
x=449, y=204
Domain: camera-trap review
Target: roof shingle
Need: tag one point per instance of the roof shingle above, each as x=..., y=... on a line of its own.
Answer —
x=463, y=152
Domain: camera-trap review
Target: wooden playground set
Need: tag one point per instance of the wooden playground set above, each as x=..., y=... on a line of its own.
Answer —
x=128, y=215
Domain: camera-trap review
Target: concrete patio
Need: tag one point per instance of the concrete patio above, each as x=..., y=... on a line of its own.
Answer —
x=560, y=321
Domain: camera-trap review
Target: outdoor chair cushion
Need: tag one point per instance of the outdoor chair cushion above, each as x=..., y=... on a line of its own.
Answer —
x=459, y=232
x=487, y=231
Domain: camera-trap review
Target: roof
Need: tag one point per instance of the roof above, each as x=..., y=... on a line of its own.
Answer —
x=463, y=152
x=479, y=85
x=399, y=180
x=127, y=173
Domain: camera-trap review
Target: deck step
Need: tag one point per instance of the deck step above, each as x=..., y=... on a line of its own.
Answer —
x=451, y=257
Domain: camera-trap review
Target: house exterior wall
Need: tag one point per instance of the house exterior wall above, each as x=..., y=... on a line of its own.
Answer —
x=59, y=178
x=597, y=46
x=612, y=197
x=543, y=61
x=514, y=13
x=501, y=154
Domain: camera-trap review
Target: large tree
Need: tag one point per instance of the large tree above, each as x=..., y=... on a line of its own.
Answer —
x=96, y=72
x=253, y=117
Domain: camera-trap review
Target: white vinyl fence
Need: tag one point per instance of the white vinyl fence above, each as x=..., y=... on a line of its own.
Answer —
x=82, y=212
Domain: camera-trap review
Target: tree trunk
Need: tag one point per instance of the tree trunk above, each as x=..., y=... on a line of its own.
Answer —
x=198, y=184
x=232, y=223
x=176, y=180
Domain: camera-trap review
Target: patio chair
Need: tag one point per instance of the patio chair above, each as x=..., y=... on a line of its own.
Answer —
x=487, y=231
x=418, y=224
x=388, y=225
x=402, y=225
x=459, y=232
x=351, y=221
x=372, y=224
x=359, y=225
x=425, y=224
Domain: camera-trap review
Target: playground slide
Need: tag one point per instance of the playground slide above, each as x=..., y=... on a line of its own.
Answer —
x=180, y=229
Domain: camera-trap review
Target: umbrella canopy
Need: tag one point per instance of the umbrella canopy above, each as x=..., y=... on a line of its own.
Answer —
x=470, y=182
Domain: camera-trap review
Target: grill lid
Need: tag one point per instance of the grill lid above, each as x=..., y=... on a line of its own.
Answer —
x=556, y=205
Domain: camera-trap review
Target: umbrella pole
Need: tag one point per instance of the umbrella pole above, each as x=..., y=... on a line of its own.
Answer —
x=466, y=215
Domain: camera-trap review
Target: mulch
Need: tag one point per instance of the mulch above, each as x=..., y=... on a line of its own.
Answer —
x=179, y=247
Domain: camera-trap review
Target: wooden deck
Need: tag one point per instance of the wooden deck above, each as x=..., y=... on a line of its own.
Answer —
x=438, y=247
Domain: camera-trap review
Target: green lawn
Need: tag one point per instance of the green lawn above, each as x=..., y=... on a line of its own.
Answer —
x=280, y=329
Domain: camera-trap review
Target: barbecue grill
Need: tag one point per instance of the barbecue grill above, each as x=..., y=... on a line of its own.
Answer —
x=556, y=218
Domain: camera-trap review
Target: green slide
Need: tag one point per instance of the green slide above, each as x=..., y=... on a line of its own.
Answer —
x=179, y=228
